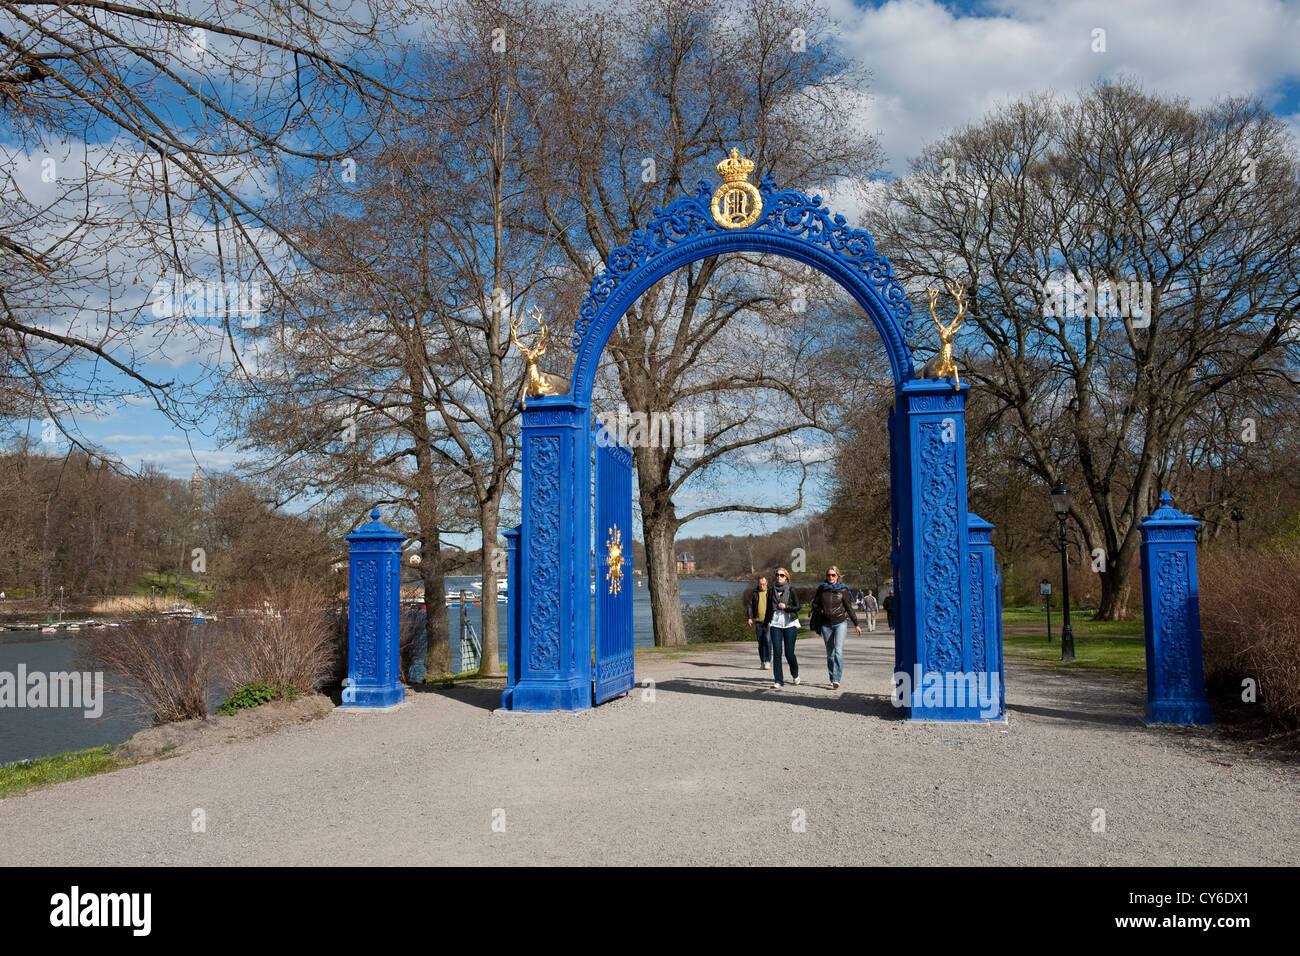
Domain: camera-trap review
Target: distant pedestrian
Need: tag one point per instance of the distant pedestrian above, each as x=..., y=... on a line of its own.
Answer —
x=870, y=605
x=756, y=610
x=783, y=626
x=888, y=605
x=832, y=610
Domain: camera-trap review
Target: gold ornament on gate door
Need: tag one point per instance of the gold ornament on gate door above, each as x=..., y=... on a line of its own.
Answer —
x=614, y=560
x=737, y=203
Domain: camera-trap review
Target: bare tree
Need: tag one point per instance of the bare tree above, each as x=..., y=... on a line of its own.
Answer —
x=640, y=123
x=1044, y=207
x=419, y=268
x=177, y=128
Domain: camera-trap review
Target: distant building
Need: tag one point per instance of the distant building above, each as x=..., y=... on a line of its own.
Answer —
x=685, y=563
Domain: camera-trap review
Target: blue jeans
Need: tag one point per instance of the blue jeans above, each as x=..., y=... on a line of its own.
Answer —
x=764, y=642
x=833, y=635
x=783, y=636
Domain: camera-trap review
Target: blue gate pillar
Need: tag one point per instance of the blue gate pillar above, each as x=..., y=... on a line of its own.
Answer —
x=985, y=651
x=1172, y=618
x=554, y=560
x=374, y=610
x=514, y=601
x=932, y=591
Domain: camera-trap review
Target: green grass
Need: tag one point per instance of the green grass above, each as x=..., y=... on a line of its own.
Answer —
x=1080, y=622
x=166, y=585
x=1099, y=645
x=23, y=775
x=450, y=680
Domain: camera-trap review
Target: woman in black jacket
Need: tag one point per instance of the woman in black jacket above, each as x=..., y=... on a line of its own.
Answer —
x=783, y=626
x=832, y=609
x=756, y=605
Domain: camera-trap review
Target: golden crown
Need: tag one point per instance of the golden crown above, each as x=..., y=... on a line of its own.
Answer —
x=735, y=169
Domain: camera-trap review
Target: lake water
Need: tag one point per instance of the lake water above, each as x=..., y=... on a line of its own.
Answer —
x=37, y=732
x=693, y=591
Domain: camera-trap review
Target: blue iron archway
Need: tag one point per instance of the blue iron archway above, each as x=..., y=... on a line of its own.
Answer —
x=947, y=644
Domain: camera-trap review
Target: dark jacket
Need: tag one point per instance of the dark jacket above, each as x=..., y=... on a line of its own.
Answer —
x=887, y=605
x=751, y=602
x=833, y=605
x=774, y=596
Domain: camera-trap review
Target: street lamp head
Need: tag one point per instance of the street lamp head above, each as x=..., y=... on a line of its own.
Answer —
x=1238, y=514
x=1061, y=498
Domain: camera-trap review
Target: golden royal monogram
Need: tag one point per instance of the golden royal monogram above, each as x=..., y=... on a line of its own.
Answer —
x=614, y=560
x=737, y=203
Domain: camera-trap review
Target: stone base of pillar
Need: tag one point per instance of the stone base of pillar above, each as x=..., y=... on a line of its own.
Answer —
x=954, y=715
x=1195, y=712
x=572, y=694
x=373, y=697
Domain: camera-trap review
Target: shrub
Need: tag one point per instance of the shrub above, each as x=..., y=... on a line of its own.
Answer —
x=165, y=664
x=279, y=637
x=717, y=618
x=250, y=695
x=1250, y=627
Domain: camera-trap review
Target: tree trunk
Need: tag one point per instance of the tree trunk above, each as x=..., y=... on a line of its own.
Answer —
x=659, y=525
x=1116, y=587
x=437, y=629
x=488, y=520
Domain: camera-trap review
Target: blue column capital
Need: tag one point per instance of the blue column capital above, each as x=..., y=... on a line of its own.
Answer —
x=374, y=530
x=981, y=531
x=920, y=395
x=548, y=411
x=1167, y=523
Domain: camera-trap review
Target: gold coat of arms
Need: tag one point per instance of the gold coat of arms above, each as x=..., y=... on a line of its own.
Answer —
x=614, y=560
x=737, y=203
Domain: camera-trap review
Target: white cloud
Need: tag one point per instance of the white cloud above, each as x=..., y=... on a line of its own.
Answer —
x=935, y=70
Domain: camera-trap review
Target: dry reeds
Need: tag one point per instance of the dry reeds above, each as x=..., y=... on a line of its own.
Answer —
x=280, y=636
x=165, y=664
x=1250, y=626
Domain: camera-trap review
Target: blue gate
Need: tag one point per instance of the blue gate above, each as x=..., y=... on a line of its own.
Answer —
x=612, y=644
x=937, y=632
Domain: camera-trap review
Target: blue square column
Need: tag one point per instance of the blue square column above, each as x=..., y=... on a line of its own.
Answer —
x=554, y=559
x=514, y=598
x=932, y=584
x=986, y=609
x=374, y=615
x=1172, y=619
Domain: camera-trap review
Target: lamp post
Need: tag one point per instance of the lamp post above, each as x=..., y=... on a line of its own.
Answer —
x=1237, y=517
x=1061, y=505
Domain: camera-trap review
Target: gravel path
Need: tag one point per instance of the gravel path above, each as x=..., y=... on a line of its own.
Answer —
x=715, y=769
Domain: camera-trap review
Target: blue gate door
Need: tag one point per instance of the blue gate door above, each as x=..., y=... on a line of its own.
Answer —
x=613, y=665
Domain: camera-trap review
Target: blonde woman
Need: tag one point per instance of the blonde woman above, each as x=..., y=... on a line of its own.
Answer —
x=832, y=609
x=783, y=626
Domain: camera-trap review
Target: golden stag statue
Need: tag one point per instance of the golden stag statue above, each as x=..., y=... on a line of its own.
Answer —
x=539, y=382
x=942, y=365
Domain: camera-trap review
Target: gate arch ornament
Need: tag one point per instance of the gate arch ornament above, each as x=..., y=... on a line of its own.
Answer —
x=947, y=606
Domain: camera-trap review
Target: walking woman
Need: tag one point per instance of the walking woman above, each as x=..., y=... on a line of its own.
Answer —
x=832, y=609
x=756, y=607
x=783, y=626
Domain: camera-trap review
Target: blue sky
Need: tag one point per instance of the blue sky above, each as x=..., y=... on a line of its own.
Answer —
x=935, y=67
